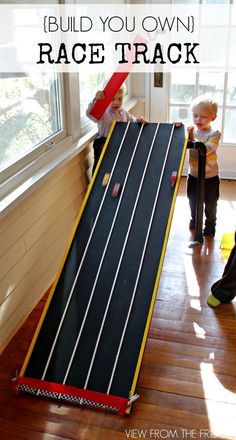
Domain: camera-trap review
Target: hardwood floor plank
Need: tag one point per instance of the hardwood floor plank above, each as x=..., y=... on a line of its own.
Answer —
x=24, y=434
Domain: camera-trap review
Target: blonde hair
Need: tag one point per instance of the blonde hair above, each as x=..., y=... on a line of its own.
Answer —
x=206, y=101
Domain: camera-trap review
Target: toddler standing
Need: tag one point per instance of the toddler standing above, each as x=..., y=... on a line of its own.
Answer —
x=204, y=110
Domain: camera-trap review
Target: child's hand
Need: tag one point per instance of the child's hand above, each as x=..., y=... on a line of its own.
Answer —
x=100, y=95
x=190, y=133
x=142, y=120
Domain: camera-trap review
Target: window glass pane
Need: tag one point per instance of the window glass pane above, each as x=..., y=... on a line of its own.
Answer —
x=230, y=126
x=214, y=15
x=213, y=54
x=217, y=123
x=212, y=82
x=215, y=1
x=89, y=85
x=184, y=1
x=182, y=87
x=231, y=90
x=181, y=114
x=30, y=113
x=232, y=45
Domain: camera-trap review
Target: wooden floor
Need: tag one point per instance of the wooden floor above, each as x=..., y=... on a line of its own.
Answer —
x=187, y=383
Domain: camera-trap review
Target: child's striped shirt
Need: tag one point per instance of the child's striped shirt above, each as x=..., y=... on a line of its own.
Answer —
x=211, y=139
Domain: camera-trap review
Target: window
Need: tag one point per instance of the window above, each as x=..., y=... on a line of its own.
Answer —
x=185, y=86
x=32, y=124
x=89, y=85
x=31, y=114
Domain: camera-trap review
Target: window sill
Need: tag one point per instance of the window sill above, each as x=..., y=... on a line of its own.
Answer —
x=15, y=189
x=23, y=183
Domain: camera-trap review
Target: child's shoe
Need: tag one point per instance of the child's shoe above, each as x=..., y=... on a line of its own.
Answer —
x=212, y=301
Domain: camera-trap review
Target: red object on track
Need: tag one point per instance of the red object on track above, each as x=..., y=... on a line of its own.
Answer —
x=116, y=190
x=173, y=178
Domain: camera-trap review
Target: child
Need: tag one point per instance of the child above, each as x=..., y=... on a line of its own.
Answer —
x=204, y=110
x=115, y=111
x=224, y=290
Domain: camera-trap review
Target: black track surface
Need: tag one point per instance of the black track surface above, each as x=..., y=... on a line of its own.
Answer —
x=124, y=286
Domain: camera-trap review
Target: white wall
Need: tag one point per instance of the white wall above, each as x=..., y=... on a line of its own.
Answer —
x=33, y=237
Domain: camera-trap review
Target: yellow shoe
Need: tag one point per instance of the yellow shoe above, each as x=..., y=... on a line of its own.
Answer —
x=212, y=301
x=227, y=241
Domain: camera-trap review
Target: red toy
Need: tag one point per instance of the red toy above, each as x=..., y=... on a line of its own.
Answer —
x=114, y=84
x=116, y=190
x=173, y=178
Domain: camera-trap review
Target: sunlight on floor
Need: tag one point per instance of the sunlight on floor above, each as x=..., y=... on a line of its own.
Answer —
x=182, y=213
x=225, y=223
x=195, y=304
x=199, y=331
x=226, y=217
x=192, y=282
x=219, y=401
x=226, y=212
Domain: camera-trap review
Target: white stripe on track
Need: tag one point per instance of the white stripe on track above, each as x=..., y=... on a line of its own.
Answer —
x=121, y=256
x=103, y=256
x=140, y=265
x=83, y=257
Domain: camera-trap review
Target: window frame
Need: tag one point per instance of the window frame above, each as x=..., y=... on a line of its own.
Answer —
x=25, y=165
x=36, y=166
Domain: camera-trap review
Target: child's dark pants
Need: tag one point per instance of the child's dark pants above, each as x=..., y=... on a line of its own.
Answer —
x=211, y=197
x=97, y=148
